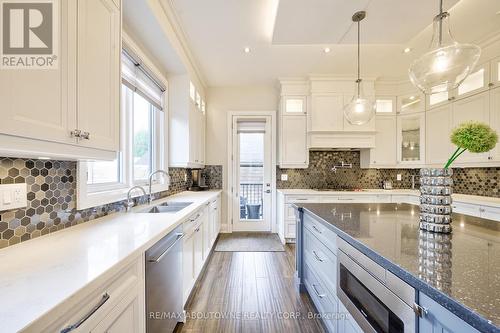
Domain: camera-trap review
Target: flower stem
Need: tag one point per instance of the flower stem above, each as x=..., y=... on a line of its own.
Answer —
x=454, y=157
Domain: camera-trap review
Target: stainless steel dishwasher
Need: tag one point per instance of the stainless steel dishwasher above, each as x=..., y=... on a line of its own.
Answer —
x=164, y=283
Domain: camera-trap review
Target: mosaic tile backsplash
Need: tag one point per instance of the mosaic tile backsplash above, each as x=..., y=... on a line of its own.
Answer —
x=52, y=197
x=319, y=174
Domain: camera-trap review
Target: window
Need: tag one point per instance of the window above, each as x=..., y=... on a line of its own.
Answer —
x=142, y=136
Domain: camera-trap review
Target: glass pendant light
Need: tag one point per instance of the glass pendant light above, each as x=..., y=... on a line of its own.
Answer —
x=360, y=109
x=448, y=62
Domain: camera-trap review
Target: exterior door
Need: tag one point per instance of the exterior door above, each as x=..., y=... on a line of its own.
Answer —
x=252, y=173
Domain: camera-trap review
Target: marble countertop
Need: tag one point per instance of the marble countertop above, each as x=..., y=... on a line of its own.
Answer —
x=465, y=198
x=467, y=279
x=38, y=275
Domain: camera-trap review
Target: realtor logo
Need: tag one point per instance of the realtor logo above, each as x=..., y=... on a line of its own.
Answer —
x=29, y=34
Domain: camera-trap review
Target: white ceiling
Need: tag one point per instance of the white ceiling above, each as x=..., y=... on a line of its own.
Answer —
x=287, y=37
x=330, y=21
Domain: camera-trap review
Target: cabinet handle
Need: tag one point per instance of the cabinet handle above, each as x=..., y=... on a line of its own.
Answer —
x=316, y=228
x=317, y=293
x=89, y=314
x=197, y=229
x=158, y=259
x=451, y=98
x=76, y=133
x=346, y=199
x=85, y=135
x=317, y=257
x=491, y=84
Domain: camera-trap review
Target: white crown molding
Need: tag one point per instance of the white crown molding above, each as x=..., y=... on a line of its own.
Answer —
x=171, y=18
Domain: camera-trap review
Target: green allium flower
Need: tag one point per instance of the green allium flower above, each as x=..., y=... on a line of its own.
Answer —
x=475, y=137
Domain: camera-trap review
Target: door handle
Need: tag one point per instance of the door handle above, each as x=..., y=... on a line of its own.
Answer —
x=268, y=191
x=89, y=314
x=317, y=292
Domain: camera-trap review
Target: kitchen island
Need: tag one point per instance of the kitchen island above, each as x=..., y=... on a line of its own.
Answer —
x=455, y=278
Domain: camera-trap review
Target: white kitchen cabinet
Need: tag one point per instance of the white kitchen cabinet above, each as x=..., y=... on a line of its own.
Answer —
x=117, y=305
x=439, y=99
x=125, y=317
x=188, y=275
x=42, y=108
x=411, y=103
x=99, y=49
x=294, y=105
x=411, y=138
x=207, y=230
x=186, y=125
x=198, y=249
x=478, y=81
x=384, y=155
x=476, y=108
x=490, y=213
x=438, y=125
x=495, y=121
x=293, y=152
x=466, y=209
x=327, y=114
x=386, y=105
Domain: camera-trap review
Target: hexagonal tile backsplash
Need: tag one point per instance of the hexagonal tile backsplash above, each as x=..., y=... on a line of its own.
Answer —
x=319, y=174
x=52, y=197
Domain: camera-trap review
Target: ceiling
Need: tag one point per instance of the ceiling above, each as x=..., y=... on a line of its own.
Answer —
x=286, y=38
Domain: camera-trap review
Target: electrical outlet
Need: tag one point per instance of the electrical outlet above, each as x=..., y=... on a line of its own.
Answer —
x=284, y=177
x=13, y=196
x=399, y=177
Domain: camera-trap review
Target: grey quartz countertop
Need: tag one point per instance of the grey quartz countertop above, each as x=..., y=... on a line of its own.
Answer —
x=461, y=271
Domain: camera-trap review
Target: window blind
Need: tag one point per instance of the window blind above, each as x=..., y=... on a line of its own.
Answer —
x=140, y=79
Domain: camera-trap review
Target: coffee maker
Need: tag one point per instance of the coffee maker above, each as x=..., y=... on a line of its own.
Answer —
x=198, y=182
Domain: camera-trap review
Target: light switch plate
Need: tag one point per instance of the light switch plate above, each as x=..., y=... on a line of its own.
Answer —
x=13, y=196
x=284, y=177
x=398, y=177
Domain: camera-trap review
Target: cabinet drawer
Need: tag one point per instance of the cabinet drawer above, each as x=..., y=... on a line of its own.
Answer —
x=490, y=213
x=322, y=260
x=325, y=235
x=325, y=300
x=99, y=303
x=467, y=209
x=300, y=198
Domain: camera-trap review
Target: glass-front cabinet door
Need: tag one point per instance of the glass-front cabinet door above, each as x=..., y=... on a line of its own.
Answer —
x=411, y=138
x=476, y=82
x=410, y=103
x=294, y=105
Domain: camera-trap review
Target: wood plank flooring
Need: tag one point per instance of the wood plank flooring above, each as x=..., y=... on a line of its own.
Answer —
x=249, y=292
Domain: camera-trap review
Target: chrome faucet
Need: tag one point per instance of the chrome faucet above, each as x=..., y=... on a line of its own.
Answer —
x=151, y=182
x=129, y=203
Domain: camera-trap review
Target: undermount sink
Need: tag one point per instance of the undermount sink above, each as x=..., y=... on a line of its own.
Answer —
x=166, y=207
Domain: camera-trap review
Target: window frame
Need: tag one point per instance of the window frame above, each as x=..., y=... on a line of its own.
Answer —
x=90, y=195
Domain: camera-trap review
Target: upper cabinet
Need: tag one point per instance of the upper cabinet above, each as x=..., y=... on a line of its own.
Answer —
x=292, y=140
x=327, y=113
x=99, y=49
x=187, y=113
x=411, y=138
x=476, y=82
x=495, y=121
x=495, y=72
x=412, y=102
x=386, y=105
x=71, y=111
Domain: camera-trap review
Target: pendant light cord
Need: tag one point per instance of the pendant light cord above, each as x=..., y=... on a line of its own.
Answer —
x=358, y=81
x=440, y=22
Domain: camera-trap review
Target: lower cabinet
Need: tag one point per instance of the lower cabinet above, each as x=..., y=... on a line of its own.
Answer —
x=118, y=305
x=439, y=320
x=200, y=232
x=346, y=323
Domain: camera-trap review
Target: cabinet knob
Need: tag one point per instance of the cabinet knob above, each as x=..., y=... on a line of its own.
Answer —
x=451, y=98
x=85, y=135
x=491, y=84
x=76, y=133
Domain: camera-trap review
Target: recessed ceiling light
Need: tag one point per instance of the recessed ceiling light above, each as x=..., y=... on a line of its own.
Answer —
x=246, y=50
x=326, y=50
x=407, y=50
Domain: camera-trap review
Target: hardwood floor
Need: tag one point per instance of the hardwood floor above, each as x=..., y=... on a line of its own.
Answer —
x=250, y=292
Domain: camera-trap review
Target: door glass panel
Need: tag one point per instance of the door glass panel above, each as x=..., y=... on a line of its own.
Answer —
x=410, y=143
x=294, y=105
x=472, y=82
x=384, y=105
x=251, y=175
x=411, y=103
